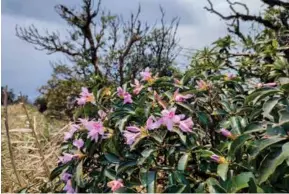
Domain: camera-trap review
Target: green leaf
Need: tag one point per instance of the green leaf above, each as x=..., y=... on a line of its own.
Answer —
x=254, y=127
x=57, y=171
x=110, y=174
x=205, y=153
x=145, y=154
x=268, y=107
x=182, y=164
x=264, y=94
x=159, y=135
x=236, y=125
x=79, y=174
x=253, y=187
x=240, y=181
x=121, y=123
x=260, y=145
x=125, y=165
x=143, y=174
x=151, y=182
x=222, y=170
x=175, y=189
x=186, y=106
x=214, y=186
x=237, y=144
x=270, y=166
x=112, y=158
x=203, y=118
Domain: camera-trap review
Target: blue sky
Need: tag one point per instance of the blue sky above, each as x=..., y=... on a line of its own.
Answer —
x=25, y=69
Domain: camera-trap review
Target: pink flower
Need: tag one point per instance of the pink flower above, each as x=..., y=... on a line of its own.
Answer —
x=85, y=96
x=66, y=176
x=169, y=118
x=68, y=135
x=260, y=85
x=102, y=114
x=115, y=185
x=229, y=76
x=218, y=159
x=186, y=125
x=68, y=187
x=227, y=133
x=137, y=87
x=78, y=143
x=202, y=85
x=127, y=98
x=120, y=92
x=95, y=128
x=177, y=82
x=181, y=98
x=66, y=158
x=131, y=134
x=146, y=74
x=152, y=123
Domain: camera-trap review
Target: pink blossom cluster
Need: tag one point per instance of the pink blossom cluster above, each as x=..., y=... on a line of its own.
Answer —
x=85, y=96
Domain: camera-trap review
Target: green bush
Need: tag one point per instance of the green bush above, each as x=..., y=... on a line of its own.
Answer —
x=219, y=134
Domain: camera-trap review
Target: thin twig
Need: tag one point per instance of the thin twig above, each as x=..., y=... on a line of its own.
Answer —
x=8, y=136
x=36, y=140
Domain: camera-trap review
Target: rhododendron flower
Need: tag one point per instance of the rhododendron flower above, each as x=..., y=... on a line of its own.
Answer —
x=169, y=118
x=181, y=98
x=159, y=100
x=131, y=134
x=260, y=85
x=101, y=114
x=127, y=98
x=146, y=74
x=95, y=128
x=68, y=187
x=115, y=185
x=229, y=76
x=66, y=158
x=66, y=176
x=78, y=143
x=85, y=96
x=202, y=85
x=68, y=135
x=218, y=159
x=137, y=87
x=120, y=92
x=152, y=123
x=227, y=133
x=186, y=125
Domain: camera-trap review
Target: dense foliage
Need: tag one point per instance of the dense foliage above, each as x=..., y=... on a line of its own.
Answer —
x=167, y=135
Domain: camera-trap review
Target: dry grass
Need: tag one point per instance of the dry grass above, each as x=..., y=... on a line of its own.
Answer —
x=28, y=161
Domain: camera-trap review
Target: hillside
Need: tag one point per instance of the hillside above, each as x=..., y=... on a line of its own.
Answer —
x=28, y=161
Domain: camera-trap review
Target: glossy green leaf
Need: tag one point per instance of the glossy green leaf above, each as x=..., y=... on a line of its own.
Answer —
x=253, y=187
x=223, y=170
x=237, y=144
x=121, y=123
x=79, y=174
x=125, y=165
x=260, y=145
x=214, y=186
x=110, y=174
x=182, y=164
x=254, y=127
x=268, y=107
x=175, y=189
x=270, y=165
x=151, y=182
x=112, y=158
x=57, y=171
x=240, y=181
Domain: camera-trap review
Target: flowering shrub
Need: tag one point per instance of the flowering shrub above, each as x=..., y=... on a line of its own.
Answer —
x=162, y=134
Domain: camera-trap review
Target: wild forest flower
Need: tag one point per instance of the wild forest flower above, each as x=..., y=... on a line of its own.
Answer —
x=101, y=114
x=186, y=125
x=202, y=85
x=68, y=187
x=153, y=123
x=68, y=135
x=78, y=143
x=272, y=84
x=66, y=176
x=229, y=76
x=95, y=128
x=137, y=87
x=115, y=184
x=85, y=96
x=131, y=134
x=146, y=74
x=218, y=159
x=169, y=118
x=227, y=133
x=127, y=98
x=125, y=95
x=66, y=158
x=181, y=98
